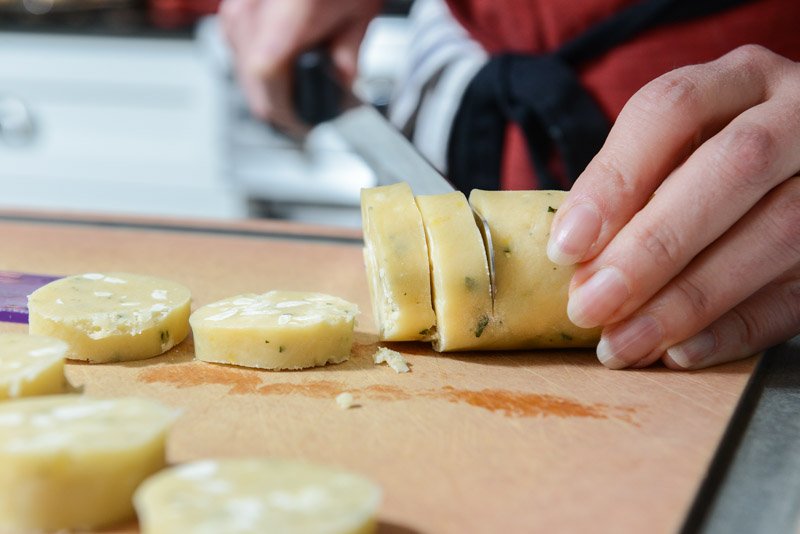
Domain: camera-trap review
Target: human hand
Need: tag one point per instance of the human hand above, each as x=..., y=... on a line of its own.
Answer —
x=687, y=222
x=267, y=35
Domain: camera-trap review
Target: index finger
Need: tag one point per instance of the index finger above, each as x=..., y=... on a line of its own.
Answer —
x=656, y=130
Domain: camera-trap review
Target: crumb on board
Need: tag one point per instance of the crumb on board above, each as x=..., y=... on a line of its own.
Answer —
x=345, y=400
x=391, y=357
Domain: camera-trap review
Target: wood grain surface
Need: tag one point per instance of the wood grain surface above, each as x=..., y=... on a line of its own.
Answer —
x=474, y=442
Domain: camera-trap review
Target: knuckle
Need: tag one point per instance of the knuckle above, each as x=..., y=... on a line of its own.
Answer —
x=791, y=289
x=792, y=80
x=748, y=62
x=746, y=154
x=694, y=297
x=771, y=71
x=748, y=326
x=751, y=56
x=661, y=244
x=678, y=89
x=790, y=283
x=773, y=316
x=611, y=173
x=784, y=212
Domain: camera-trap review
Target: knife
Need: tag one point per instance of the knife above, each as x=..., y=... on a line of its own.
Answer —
x=319, y=97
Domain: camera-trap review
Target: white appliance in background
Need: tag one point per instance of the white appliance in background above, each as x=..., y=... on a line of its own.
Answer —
x=156, y=126
x=118, y=125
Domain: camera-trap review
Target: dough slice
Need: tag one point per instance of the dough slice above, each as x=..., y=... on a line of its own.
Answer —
x=531, y=301
x=251, y=495
x=459, y=269
x=31, y=365
x=111, y=317
x=72, y=462
x=276, y=330
x=396, y=258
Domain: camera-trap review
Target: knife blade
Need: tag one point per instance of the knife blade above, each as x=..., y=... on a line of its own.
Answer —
x=319, y=97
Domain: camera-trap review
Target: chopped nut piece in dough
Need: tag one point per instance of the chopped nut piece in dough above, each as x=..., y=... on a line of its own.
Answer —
x=345, y=400
x=395, y=360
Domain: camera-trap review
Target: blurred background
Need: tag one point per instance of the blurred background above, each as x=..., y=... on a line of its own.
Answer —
x=130, y=107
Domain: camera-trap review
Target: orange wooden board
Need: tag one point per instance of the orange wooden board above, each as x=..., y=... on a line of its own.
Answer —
x=491, y=442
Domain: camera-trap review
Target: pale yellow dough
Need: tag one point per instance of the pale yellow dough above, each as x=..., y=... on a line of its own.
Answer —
x=460, y=273
x=256, y=495
x=396, y=259
x=72, y=462
x=530, y=306
x=111, y=317
x=276, y=330
x=31, y=365
x=531, y=300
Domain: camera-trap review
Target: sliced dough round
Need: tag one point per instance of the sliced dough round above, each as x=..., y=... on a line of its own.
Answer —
x=276, y=330
x=396, y=259
x=72, y=462
x=112, y=317
x=256, y=495
x=31, y=365
x=532, y=291
x=460, y=272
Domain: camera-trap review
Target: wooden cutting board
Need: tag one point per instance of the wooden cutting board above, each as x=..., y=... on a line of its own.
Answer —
x=474, y=442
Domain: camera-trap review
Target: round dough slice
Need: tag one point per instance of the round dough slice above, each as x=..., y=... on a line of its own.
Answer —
x=31, y=365
x=460, y=272
x=276, y=330
x=111, y=317
x=396, y=260
x=252, y=495
x=532, y=291
x=72, y=462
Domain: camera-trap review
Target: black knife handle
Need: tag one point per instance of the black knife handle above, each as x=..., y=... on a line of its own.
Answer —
x=317, y=95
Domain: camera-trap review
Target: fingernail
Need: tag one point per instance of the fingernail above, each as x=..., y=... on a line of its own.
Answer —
x=574, y=234
x=606, y=356
x=694, y=350
x=628, y=343
x=597, y=298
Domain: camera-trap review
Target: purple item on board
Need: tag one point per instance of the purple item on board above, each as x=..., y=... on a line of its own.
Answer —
x=14, y=291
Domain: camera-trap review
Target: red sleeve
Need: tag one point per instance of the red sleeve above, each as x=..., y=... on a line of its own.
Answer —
x=537, y=26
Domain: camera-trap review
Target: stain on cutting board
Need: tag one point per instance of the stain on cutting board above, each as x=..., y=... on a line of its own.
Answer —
x=500, y=401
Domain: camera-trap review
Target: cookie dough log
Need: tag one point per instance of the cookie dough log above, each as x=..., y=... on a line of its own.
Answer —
x=276, y=330
x=71, y=462
x=256, y=495
x=532, y=291
x=31, y=365
x=396, y=259
x=111, y=317
x=459, y=269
